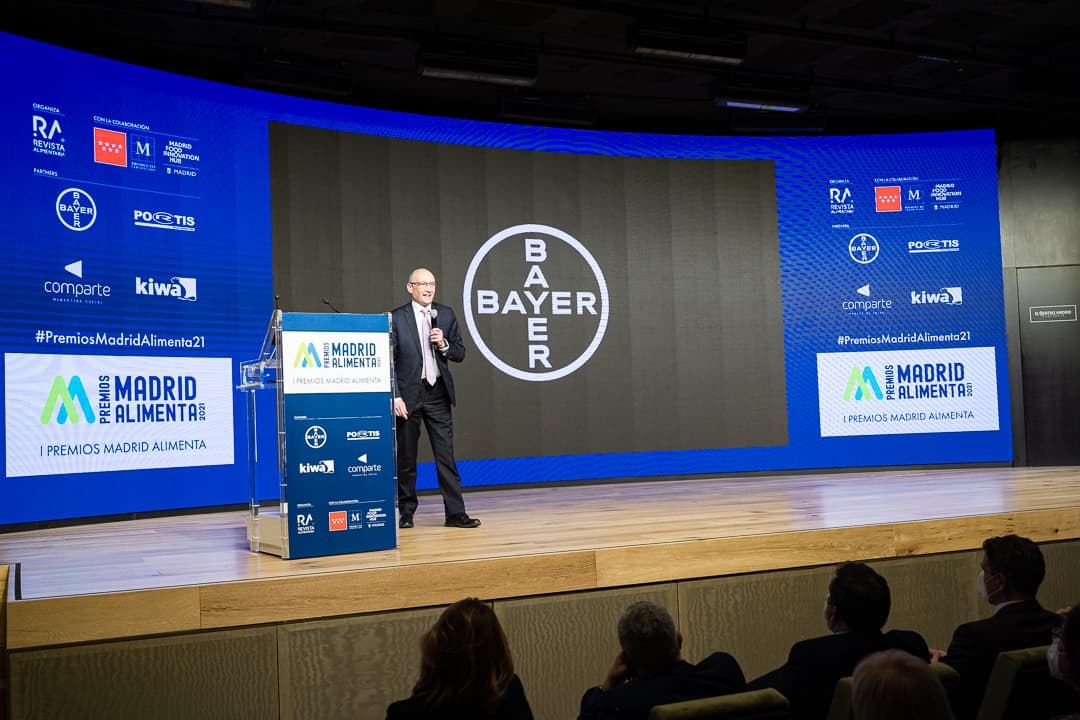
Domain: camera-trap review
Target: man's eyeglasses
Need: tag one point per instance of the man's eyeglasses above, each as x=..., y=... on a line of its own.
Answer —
x=423, y=284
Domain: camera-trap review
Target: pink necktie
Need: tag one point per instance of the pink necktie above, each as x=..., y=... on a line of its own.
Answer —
x=429, y=353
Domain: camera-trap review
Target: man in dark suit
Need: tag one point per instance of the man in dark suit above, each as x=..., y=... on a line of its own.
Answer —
x=650, y=671
x=856, y=609
x=424, y=336
x=1012, y=570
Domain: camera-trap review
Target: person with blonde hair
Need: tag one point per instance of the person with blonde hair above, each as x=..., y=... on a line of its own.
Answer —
x=465, y=670
x=896, y=685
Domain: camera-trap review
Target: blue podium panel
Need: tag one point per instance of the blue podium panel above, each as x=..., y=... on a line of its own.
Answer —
x=338, y=472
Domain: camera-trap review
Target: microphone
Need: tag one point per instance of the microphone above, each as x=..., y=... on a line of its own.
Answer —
x=330, y=305
x=276, y=298
x=433, y=314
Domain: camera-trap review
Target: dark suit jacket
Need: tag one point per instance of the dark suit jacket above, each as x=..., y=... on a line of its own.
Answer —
x=975, y=647
x=514, y=706
x=718, y=674
x=809, y=676
x=408, y=360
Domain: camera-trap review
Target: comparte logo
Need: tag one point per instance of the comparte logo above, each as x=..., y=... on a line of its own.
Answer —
x=80, y=293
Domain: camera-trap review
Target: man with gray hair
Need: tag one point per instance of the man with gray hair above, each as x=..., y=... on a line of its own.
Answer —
x=650, y=671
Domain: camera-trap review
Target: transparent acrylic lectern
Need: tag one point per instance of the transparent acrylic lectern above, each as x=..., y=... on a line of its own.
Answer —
x=266, y=528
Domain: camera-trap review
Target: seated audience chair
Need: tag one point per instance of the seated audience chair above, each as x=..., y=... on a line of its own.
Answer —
x=765, y=704
x=840, y=709
x=1021, y=688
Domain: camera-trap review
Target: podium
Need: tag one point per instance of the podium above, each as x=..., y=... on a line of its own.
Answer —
x=336, y=465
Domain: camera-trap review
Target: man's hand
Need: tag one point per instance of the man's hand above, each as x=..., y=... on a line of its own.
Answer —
x=399, y=409
x=436, y=338
x=618, y=674
x=936, y=655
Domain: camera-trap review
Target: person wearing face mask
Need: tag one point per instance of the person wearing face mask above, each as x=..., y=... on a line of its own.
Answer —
x=856, y=609
x=1063, y=656
x=1012, y=568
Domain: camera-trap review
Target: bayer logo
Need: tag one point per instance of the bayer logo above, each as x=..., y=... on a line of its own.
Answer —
x=863, y=248
x=536, y=302
x=76, y=209
x=315, y=437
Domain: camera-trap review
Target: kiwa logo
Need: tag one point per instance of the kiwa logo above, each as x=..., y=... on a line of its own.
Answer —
x=71, y=396
x=307, y=357
x=862, y=385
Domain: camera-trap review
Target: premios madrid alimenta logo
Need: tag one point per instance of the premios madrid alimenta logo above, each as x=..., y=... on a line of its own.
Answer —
x=306, y=356
x=71, y=397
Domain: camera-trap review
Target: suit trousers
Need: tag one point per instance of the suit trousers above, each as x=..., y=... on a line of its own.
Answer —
x=436, y=414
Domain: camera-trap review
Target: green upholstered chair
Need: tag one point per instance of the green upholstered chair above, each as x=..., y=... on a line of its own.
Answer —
x=1021, y=688
x=841, y=708
x=767, y=704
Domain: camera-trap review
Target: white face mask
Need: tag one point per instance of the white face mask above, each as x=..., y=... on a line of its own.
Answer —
x=981, y=585
x=1053, y=659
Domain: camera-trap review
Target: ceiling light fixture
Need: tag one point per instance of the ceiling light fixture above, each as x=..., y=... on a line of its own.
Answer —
x=694, y=42
x=497, y=67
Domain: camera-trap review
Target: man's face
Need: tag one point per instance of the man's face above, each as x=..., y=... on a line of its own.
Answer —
x=992, y=581
x=421, y=287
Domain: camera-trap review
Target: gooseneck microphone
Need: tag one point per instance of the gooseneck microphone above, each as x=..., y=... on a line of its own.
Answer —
x=330, y=305
x=276, y=298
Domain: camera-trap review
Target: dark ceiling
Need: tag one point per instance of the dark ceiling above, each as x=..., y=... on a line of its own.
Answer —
x=858, y=65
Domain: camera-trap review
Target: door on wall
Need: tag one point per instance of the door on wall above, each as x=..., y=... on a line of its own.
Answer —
x=1050, y=361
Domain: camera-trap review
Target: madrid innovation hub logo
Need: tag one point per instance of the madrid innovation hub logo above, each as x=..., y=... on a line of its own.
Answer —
x=71, y=397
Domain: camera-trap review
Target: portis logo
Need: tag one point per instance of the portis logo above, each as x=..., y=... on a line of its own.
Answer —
x=71, y=397
x=164, y=220
x=862, y=385
x=306, y=356
x=76, y=209
x=544, y=293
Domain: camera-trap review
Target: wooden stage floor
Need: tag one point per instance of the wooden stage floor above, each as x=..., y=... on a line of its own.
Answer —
x=195, y=571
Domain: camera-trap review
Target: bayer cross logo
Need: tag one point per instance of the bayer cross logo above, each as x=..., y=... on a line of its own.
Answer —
x=76, y=209
x=863, y=248
x=536, y=302
x=315, y=437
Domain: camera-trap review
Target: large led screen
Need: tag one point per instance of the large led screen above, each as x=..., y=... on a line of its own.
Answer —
x=633, y=305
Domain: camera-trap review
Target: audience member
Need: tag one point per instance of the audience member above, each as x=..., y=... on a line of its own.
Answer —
x=1063, y=659
x=1012, y=570
x=465, y=670
x=855, y=611
x=895, y=685
x=1063, y=655
x=650, y=671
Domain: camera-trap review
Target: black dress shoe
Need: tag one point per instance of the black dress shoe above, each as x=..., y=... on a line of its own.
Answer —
x=462, y=521
x=405, y=521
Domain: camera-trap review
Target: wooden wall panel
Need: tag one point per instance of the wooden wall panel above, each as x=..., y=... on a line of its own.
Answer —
x=933, y=594
x=755, y=617
x=230, y=675
x=1062, y=585
x=565, y=644
x=352, y=667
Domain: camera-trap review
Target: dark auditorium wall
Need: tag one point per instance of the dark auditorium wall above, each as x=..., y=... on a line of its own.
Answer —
x=1038, y=187
x=352, y=667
